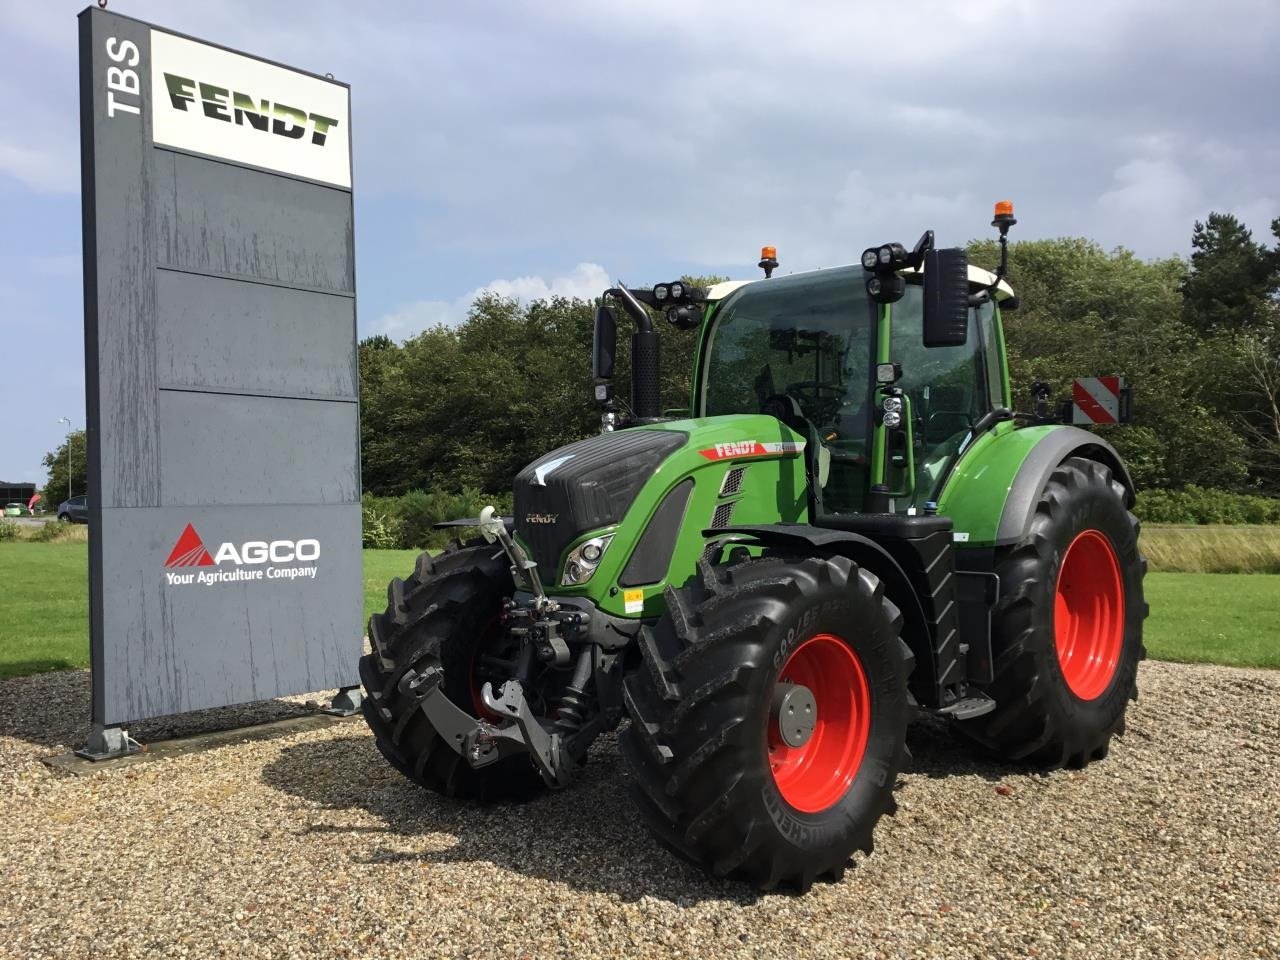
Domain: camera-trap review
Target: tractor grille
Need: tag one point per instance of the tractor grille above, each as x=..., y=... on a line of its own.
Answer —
x=732, y=482
x=591, y=483
x=723, y=515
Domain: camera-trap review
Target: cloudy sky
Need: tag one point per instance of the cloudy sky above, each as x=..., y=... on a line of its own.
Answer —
x=544, y=148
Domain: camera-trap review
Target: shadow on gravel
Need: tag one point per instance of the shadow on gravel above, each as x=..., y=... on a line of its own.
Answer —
x=52, y=710
x=938, y=752
x=588, y=837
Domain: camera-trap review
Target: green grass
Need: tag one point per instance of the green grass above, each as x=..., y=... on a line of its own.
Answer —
x=1231, y=619
x=379, y=567
x=44, y=607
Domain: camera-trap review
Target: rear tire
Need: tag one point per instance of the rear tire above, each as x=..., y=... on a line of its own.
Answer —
x=1067, y=630
x=708, y=770
x=443, y=616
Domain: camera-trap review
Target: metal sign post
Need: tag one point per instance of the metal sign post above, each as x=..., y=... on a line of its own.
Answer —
x=220, y=364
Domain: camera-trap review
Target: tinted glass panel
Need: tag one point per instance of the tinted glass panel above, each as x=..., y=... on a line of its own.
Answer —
x=800, y=348
x=948, y=391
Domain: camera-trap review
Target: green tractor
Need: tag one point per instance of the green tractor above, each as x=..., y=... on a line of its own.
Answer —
x=850, y=527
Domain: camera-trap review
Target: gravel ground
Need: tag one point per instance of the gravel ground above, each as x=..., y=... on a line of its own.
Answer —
x=310, y=845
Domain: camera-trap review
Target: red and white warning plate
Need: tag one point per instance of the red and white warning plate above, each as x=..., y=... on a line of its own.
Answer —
x=1096, y=399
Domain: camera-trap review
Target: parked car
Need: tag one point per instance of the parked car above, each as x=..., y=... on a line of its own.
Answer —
x=75, y=510
x=16, y=510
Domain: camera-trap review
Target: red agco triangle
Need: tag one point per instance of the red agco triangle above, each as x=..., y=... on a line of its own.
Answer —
x=189, y=551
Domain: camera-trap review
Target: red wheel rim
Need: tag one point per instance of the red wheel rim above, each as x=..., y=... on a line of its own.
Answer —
x=813, y=777
x=1088, y=615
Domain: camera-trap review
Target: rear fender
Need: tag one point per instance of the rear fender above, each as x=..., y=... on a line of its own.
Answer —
x=992, y=494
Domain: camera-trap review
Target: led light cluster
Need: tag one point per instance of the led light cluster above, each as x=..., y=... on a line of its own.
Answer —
x=583, y=560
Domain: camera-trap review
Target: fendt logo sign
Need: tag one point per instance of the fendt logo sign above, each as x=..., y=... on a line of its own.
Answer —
x=223, y=104
x=220, y=103
x=248, y=561
x=737, y=449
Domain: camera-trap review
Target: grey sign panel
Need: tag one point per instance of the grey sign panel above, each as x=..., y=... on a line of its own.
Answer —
x=224, y=462
x=228, y=221
x=214, y=333
x=228, y=449
x=188, y=633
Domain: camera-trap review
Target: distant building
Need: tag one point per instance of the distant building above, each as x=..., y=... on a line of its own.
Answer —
x=16, y=493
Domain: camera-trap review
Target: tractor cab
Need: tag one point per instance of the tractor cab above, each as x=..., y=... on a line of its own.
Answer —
x=808, y=348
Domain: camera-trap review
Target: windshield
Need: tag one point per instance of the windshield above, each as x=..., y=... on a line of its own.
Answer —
x=800, y=348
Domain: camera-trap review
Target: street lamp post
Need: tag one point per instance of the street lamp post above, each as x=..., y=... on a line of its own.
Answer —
x=67, y=421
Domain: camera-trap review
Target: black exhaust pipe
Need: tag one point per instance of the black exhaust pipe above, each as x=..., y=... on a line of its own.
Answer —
x=646, y=387
x=646, y=371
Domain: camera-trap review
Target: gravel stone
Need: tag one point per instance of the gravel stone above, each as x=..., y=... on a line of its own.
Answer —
x=310, y=845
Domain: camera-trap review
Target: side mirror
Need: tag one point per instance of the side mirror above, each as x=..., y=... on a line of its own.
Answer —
x=946, y=298
x=604, y=343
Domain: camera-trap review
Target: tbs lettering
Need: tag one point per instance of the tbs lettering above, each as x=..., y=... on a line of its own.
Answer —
x=123, y=82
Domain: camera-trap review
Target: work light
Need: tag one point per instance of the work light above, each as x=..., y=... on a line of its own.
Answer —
x=661, y=292
x=677, y=290
x=870, y=258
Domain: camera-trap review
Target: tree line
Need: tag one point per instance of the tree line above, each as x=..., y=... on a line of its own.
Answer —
x=457, y=411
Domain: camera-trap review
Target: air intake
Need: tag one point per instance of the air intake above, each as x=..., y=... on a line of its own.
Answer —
x=732, y=484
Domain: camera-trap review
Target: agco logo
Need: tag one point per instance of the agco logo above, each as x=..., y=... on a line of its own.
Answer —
x=230, y=106
x=190, y=551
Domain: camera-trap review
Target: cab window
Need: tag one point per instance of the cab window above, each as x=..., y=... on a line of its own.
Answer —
x=949, y=389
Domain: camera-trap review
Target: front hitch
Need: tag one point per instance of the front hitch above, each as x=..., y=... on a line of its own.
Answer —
x=480, y=742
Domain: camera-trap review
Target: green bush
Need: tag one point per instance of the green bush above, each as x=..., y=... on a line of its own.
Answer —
x=381, y=531
x=8, y=530
x=48, y=532
x=1199, y=505
x=405, y=522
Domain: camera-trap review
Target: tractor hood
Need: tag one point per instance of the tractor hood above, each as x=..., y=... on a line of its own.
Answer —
x=655, y=490
x=583, y=486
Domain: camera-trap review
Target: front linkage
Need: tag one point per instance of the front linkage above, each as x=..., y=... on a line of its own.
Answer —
x=546, y=629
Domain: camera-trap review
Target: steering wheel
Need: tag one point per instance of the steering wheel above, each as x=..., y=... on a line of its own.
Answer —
x=824, y=399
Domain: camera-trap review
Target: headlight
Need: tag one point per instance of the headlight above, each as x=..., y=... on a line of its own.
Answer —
x=677, y=290
x=891, y=418
x=661, y=292
x=870, y=258
x=892, y=404
x=583, y=559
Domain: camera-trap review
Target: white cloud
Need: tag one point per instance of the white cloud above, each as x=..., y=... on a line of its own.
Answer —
x=583, y=282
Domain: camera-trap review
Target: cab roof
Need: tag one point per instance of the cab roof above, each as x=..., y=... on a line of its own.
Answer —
x=977, y=277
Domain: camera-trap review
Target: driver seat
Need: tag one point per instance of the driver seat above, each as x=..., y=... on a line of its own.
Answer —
x=786, y=409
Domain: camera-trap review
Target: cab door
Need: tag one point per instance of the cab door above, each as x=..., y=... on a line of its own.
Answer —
x=947, y=390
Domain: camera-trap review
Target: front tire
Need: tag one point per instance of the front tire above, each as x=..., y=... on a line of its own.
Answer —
x=711, y=771
x=445, y=616
x=1067, y=630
